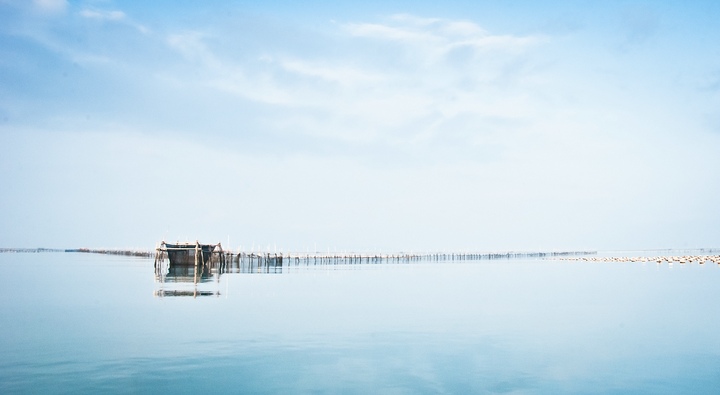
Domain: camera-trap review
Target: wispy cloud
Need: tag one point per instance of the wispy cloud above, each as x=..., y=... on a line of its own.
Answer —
x=113, y=15
x=226, y=75
x=384, y=32
x=50, y=6
x=439, y=35
x=117, y=16
x=341, y=74
x=191, y=45
x=404, y=101
x=80, y=52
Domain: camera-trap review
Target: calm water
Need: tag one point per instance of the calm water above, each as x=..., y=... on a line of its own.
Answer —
x=82, y=323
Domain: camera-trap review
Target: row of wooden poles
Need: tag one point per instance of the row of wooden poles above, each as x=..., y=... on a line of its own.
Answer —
x=332, y=258
x=241, y=262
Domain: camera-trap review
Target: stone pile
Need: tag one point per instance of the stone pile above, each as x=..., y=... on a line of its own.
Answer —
x=700, y=259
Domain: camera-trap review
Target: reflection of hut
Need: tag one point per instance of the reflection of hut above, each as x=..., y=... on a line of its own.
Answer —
x=194, y=293
x=187, y=274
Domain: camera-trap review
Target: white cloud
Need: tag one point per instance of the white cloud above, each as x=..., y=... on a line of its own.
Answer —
x=50, y=6
x=375, y=97
x=261, y=88
x=439, y=35
x=409, y=19
x=103, y=15
x=224, y=75
x=443, y=26
x=191, y=45
x=114, y=16
x=462, y=28
x=384, y=32
x=334, y=73
x=505, y=42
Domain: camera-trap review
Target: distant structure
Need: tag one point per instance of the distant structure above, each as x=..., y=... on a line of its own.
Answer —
x=188, y=254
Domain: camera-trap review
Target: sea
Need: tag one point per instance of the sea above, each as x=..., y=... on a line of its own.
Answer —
x=78, y=323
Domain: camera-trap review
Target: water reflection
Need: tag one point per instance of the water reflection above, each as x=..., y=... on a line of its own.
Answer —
x=192, y=277
x=174, y=279
x=179, y=292
x=183, y=279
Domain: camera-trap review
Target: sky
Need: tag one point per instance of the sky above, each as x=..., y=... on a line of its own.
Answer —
x=360, y=126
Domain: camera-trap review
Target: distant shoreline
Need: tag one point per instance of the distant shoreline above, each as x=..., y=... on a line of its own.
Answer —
x=430, y=256
x=140, y=253
x=444, y=255
x=31, y=250
x=322, y=257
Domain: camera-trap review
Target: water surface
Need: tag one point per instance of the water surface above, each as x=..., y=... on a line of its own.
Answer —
x=74, y=322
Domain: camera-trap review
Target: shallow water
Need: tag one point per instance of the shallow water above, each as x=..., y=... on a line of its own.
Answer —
x=74, y=322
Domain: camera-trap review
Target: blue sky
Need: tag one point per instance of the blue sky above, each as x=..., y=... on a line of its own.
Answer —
x=360, y=126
